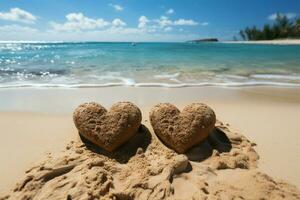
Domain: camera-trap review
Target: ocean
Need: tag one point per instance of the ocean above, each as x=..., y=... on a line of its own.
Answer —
x=100, y=64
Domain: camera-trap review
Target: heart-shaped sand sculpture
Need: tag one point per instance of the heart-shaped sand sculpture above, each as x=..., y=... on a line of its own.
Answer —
x=107, y=129
x=182, y=130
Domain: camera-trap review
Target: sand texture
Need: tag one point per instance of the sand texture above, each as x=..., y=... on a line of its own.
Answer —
x=182, y=130
x=224, y=166
x=107, y=129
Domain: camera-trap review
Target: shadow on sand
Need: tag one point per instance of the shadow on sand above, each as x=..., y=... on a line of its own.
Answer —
x=216, y=140
x=122, y=154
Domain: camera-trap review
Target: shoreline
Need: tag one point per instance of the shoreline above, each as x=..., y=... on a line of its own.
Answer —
x=42, y=121
x=29, y=99
x=272, y=42
x=157, y=85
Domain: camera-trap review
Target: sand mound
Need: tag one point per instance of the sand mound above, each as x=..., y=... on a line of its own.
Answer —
x=107, y=129
x=182, y=130
x=222, y=167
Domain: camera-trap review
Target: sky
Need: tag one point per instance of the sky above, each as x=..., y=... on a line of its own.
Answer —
x=135, y=20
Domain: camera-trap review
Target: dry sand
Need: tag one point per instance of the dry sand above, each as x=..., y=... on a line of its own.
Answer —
x=267, y=116
x=221, y=167
x=26, y=138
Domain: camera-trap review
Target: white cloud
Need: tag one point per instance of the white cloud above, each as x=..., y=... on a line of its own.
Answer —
x=167, y=29
x=143, y=20
x=164, y=21
x=118, y=22
x=77, y=27
x=288, y=15
x=117, y=7
x=17, y=28
x=121, y=30
x=170, y=11
x=77, y=21
x=17, y=32
x=185, y=22
x=291, y=15
x=18, y=15
x=164, y=24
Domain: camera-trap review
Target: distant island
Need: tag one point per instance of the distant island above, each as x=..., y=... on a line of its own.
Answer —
x=204, y=40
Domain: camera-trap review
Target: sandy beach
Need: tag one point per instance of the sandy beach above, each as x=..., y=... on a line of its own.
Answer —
x=273, y=42
x=36, y=123
x=149, y=100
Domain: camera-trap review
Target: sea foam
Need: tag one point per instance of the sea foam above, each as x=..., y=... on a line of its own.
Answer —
x=57, y=64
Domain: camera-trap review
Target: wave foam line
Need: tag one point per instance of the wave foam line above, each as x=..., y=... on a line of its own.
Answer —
x=166, y=85
x=29, y=42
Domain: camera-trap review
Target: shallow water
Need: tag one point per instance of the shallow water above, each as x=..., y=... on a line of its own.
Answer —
x=93, y=64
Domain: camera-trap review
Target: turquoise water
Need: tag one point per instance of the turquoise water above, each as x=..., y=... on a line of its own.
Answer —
x=95, y=64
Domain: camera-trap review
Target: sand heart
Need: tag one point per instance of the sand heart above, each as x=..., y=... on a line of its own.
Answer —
x=182, y=130
x=107, y=129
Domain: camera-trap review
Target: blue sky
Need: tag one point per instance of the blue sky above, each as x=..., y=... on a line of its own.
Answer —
x=135, y=20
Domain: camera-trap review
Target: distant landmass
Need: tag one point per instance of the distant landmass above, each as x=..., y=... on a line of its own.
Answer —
x=204, y=40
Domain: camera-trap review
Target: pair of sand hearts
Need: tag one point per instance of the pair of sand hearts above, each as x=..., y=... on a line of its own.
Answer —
x=178, y=130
